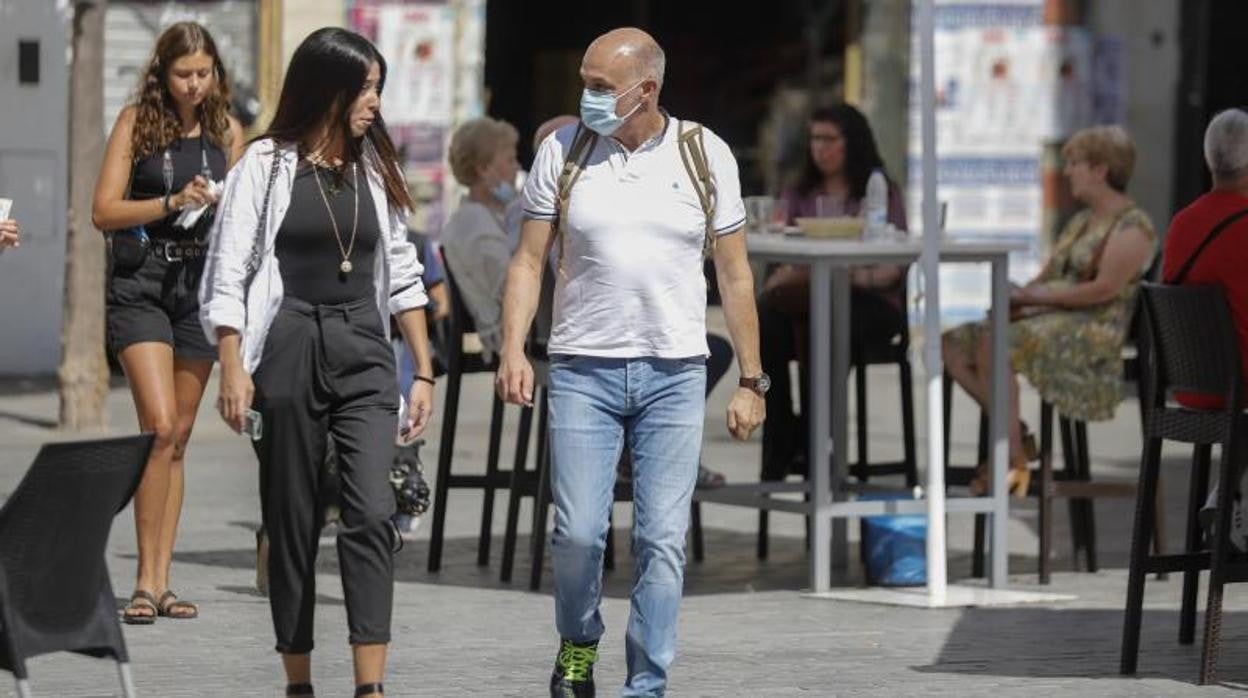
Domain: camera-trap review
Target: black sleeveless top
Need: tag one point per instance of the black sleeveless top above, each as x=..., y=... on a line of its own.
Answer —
x=187, y=156
x=307, y=253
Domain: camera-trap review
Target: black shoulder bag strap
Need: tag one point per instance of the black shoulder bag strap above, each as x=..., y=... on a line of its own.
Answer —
x=1213, y=234
x=257, y=245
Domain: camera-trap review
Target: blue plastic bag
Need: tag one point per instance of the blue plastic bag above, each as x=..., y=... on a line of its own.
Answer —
x=894, y=546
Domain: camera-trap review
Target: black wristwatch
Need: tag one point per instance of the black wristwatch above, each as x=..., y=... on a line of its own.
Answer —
x=759, y=384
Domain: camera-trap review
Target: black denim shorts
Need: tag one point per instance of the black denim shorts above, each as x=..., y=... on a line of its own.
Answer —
x=158, y=302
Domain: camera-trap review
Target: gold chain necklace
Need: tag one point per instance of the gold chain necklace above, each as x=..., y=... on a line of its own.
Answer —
x=346, y=265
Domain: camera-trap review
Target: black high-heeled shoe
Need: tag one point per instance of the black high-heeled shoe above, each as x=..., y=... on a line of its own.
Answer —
x=365, y=689
x=299, y=689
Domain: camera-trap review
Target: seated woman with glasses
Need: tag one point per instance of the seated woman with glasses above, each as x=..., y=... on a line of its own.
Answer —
x=840, y=158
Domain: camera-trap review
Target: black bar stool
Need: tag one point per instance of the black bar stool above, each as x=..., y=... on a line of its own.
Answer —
x=1192, y=343
x=863, y=355
x=460, y=362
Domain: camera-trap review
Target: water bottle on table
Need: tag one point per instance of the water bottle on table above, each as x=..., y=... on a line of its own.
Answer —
x=875, y=210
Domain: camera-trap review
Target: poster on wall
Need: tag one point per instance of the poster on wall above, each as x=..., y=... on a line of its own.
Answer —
x=1006, y=85
x=434, y=55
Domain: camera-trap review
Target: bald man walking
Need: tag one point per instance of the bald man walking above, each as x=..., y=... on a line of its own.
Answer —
x=634, y=207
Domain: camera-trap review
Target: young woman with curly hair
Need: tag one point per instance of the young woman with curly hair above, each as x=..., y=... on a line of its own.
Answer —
x=166, y=148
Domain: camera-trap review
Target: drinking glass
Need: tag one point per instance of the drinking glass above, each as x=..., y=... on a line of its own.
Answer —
x=758, y=213
x=779, y=216
x=829, y=206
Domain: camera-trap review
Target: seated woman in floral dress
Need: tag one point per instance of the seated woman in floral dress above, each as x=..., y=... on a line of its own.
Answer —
x=1070, y=322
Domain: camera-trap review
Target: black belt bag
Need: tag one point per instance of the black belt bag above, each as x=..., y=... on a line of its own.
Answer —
x=129, y=248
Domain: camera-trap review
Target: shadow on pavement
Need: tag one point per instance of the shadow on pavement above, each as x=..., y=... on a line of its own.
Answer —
x=1038, y=642
x=730, y=564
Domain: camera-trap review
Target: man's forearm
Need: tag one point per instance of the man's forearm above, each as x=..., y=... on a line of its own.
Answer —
x=737, y=294
x=520, y=297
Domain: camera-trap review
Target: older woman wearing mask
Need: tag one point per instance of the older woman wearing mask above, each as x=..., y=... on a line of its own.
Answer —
x=1071, y=320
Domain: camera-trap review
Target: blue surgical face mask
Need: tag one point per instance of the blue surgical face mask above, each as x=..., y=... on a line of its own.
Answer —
x=598, y=110
x=504, y=192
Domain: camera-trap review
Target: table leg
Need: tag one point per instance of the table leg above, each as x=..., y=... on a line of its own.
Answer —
x=819, y=443
x=838, y=387
x=997, y=420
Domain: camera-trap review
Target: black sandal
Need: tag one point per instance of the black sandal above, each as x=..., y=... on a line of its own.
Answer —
x=299, y=689
x=169, y=604
x=148, y=602
x=368, y=688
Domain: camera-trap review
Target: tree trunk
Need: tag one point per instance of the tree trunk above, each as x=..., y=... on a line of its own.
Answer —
x=84, y=368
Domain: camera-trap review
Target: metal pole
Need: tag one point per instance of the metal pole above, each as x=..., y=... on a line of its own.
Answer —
x=127, y=679
x=930, y=264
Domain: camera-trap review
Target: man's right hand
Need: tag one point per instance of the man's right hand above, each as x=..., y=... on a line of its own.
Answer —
x=514, y=380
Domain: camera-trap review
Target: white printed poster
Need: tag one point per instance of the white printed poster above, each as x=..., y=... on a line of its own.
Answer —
x=435, y=54
x=1006, y=85
x=418, y=42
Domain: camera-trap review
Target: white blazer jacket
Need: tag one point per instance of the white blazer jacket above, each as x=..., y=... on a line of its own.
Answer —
x=224, y=301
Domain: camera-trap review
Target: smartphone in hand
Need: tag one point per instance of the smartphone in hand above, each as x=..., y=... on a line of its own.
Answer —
x=6, y=209
x=253, y=425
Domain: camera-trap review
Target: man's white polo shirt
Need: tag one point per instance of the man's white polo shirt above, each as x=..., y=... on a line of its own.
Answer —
x=631, y=283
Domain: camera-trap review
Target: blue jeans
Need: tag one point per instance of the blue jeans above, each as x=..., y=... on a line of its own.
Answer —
x=658, y=406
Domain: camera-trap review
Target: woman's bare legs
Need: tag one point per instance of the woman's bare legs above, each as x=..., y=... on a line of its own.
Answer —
x=973, y=374
x=190, y=377
x=166, y=396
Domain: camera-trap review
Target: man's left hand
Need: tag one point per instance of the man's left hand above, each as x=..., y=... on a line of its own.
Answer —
x=746, y=412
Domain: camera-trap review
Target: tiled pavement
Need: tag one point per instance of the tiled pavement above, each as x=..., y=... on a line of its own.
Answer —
x=745, y=630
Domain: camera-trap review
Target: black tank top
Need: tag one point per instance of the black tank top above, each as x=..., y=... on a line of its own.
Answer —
x=307, y=253
x=187, y=155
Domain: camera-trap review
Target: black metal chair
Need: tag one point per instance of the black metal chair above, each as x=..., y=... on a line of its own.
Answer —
x=460, y=362
x=1192, y=348
x=55, y=594
x=897, y=353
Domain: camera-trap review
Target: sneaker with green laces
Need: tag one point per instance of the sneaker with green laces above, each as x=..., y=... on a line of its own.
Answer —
x=573, y=676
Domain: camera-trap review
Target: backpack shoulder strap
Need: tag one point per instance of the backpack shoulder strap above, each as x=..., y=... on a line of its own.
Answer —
x=693, y=155
x=573, y=164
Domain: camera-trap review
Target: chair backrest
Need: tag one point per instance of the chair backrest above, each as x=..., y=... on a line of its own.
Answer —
x=54, y=529
x=1192, y=343
x=461, y=322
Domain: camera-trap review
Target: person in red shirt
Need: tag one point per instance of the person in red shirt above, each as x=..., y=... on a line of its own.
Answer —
x=1224, y=261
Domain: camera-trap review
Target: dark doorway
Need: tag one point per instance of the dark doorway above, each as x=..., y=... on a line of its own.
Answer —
x=1214, y=78
x=725, y=61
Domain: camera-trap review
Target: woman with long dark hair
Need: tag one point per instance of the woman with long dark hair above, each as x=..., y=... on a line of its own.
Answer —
x=840, y=157
x=309, y=258
x=165, y=150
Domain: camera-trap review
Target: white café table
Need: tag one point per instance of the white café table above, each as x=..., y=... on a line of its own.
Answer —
x=827, y=495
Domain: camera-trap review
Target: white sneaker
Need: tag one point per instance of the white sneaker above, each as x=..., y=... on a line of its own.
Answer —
x=1239, y=519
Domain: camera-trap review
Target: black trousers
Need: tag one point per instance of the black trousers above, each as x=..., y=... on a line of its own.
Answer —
x=873, y=320
x=327, y=370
